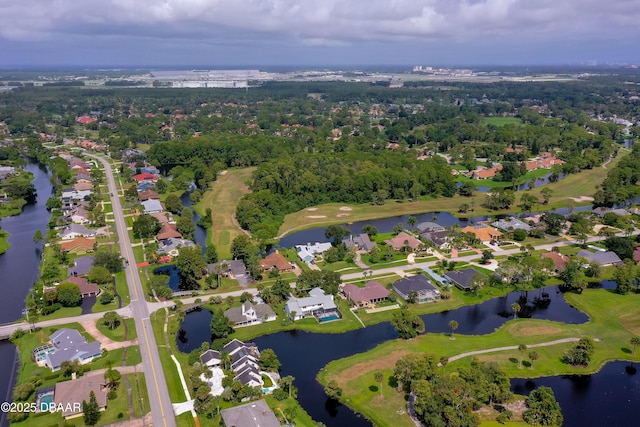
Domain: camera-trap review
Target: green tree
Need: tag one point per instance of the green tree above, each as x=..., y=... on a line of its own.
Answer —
x=333, y=390
x=515, y=307
x=378, y=377
x=268, y=360
x=112, y=378
x=635, y=342
x=146, y=226
x=369, y=229
x=407, y=324
x=546, y=193
x=185, y=226
x=191, y=265
x=107, y=259
x=211, y=254
x=411, y=221
x=467, y=189
x=241, y=247
x=573, y=275
x=173, y=204
x=37, y=237
x=336, y=233
x=111, y=319
x=625, y=276
x=542, y=408
x=522, y=348
x=99, y=275
x=220, y=325
x=453, y=325
x=69, y=294
x=533, y=356
x=91, y=410
x=528, y=201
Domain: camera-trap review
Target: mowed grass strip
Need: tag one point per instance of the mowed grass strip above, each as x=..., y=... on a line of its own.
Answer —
x=223, y=198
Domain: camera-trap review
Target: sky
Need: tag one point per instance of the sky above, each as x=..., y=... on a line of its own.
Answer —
x=227, y=33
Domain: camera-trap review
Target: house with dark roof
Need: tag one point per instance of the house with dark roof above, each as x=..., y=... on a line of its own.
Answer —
x=172, y=246
x=210, y=358
x=440, y=239
x=421, y=285
x=360, y=243
x=402, y=240
x=275, y=261
x=602, y=258
x=235, y=269
x=462, y=279
x=69, y=346
x=81, y=266
x=371, y=294
x=429, y=227
x=250, y=314
x=148, y=195
x=252, y=414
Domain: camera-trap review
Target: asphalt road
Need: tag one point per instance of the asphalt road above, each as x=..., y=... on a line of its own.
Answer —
x=161, y=408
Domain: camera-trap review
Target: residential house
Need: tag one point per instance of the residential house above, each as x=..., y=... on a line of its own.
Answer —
x=6, y=172
x=81, y=266
x=164, y=217
x=76, y=163
x=244, y=362
x=210, y=358
x=69, y=395
x=308, y=252
x=403, y=240
x=252, y=414
x=152, y=206
x=71, y=197
x=559, y=261
x=148, y=195
x=82, y=186
x=602, y=258
x=316, y=304
x=78, y=215
x=511, y=223
x=372, y=293
x=361, y=242
x=420, y=284
x=85, y=179
x=85, y=120
x=440, y=239
x=69, y=346
x=81, y=244
x=275, y=261
x=462, y=279
x=235, y=269
x=602, y=211
x=172, y=247
x=86, y=289
x=145, y=185
x=168, y=231
x=429, y=227
x=483, y=232
x=145, y=177
x=73, y=231
x=250, y=314
x=487, y=173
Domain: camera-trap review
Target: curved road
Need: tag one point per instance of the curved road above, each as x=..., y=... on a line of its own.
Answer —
x=161, y=408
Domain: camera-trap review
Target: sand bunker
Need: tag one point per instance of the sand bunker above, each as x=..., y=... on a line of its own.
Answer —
x=223, y=172
x=582, y=199
x=316, y=216
x=312, y=209
x=345, y=208
x=342, y=215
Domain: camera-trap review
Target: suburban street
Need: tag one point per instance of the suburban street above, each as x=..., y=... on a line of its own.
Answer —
x=161, y=408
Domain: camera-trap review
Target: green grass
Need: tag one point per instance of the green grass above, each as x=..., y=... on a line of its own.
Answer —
x=138, y=253
x=222, y=198
x=133, y=356
x=605, y=309
x=4, y=242
x=282, y=408
x=123, y=289
x=501, y=121
x=534, y=174
x=62, y=313
x=342, y=266
x=139, y=394
x=176, y=393
x=117, y=334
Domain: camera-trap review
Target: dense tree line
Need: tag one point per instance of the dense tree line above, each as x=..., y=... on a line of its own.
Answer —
x=621, y=183
x=286, y=185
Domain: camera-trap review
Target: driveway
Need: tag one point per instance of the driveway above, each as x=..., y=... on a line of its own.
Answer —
x=107, y=343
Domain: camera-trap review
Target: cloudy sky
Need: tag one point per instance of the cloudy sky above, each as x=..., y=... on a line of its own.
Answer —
x=317, y=32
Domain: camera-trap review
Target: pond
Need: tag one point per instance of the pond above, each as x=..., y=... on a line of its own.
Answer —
x=200, y=236
x=174, y=275
x=303, y=354
x=607, y=398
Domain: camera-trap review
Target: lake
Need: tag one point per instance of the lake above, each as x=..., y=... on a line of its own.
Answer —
x=303, y=354
x=19, y=265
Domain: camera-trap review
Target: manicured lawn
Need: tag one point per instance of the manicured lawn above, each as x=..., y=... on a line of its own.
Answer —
x=501, y=121
x=176, y=393
x=341, y=266
x=63, y=312
x=138, y=253
x=139, y=394
x=121, y=286
x=133, y=356
x=117, y=334
x=534, y=174
x=291, y=410
x=101, y=308
x=609, y=314
x=223, y=198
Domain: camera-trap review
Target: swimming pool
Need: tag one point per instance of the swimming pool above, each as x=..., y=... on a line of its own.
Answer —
x=328, y=318
x=44, y=399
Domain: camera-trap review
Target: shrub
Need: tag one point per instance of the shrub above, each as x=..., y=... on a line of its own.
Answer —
x=280, y=394
x=50, y=309
x=112, y=395
x=519, y=235
x=106, y=298
x=18, y=333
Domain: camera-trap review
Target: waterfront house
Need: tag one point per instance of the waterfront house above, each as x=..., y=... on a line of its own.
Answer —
x=70, y=345
x=463, y=279
x=421, y=285
x=368, y=296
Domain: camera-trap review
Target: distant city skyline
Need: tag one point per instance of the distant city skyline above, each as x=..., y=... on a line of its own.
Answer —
x=175, y=33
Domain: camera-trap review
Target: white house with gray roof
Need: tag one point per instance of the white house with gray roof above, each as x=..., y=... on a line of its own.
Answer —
x=250, y=314
x=316, y=303
x=69, y=346
x=602, y=258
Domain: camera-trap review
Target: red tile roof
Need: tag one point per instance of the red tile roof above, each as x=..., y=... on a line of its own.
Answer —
x=276, y=260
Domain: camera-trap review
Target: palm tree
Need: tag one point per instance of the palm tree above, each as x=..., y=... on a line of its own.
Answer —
x=533, y=356
x=412, y=221
x=453, y=325
x=379, y=377
x=635, y=342
x=521, y=348
x=515, y=307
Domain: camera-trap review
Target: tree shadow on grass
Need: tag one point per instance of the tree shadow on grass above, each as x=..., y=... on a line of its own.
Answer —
x=514, y=360
x=626, y=350
x=373, y=388
x=393, y=382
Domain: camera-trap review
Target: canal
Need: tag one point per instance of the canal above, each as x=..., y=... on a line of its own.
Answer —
x=19, y=270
